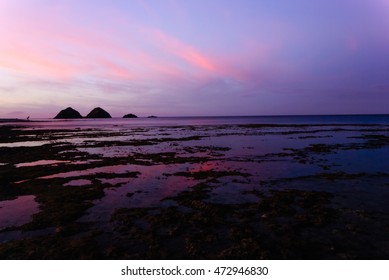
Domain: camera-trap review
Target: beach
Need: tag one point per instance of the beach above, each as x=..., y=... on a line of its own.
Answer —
x=195, y=188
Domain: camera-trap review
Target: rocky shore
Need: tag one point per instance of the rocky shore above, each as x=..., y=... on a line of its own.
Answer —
x=194, y=192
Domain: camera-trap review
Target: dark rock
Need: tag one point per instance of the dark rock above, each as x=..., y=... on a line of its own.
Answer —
x=68, y=113
x=130, y=116
x=98, y=113
x=151, y=117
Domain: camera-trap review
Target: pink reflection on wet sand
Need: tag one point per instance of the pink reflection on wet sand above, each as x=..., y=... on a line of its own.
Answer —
x=146, y=191
x=77, y=183
x=18, y=211
x=41, y=162
x=118, y=169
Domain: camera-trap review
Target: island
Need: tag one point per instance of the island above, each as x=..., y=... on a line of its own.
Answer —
x=68, y=113
x=130, y=116
x=98, y=113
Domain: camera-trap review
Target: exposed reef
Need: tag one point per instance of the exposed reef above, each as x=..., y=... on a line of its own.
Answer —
x=250, y=191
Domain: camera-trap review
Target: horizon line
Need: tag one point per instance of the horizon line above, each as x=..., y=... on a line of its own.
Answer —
x=219, y=116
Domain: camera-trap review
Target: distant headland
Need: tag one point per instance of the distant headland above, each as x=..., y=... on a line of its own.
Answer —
x=96, y=113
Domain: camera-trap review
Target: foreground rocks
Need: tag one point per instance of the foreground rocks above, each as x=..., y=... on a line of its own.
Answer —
x=174, y=193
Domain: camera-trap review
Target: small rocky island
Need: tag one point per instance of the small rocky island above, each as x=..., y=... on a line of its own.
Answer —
x=98, y=113
x=68, y=113
x=130, y=116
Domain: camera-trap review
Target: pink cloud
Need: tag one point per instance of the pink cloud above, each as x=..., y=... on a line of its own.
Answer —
x=204, y=65
x=78, y=51
x=116, y=70
x=29, y=61
x=55, y=48
x=184, y=51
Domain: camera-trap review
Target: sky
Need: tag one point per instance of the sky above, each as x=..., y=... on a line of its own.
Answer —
x=194, y=57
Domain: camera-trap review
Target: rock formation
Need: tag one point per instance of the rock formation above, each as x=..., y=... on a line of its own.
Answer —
x=130, y=116
x=98, y=113
x=151, y=117
x=68, y=113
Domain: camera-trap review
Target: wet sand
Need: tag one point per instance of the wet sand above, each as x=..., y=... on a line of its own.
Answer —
x=243, y=191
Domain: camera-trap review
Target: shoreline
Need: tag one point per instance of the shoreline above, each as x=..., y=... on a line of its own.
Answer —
x=13, y=120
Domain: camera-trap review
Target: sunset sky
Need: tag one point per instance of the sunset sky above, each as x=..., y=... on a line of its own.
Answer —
x=194, y=57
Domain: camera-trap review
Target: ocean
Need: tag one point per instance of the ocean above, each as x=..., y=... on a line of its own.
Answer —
x=221, y=120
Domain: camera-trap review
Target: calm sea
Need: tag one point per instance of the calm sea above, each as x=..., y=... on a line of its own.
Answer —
x=178, y=121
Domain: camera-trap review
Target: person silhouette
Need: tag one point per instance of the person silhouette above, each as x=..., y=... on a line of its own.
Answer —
x=28, y=118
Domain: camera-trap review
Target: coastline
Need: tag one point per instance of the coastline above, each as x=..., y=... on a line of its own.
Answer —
x=13, y=120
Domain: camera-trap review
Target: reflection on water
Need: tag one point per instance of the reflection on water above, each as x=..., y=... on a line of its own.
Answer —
x=145, y=191
x=80, y=182
x=41, y=162
x=117, y=169
x=358, y=161
x=18, y=211
x=24, y=144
